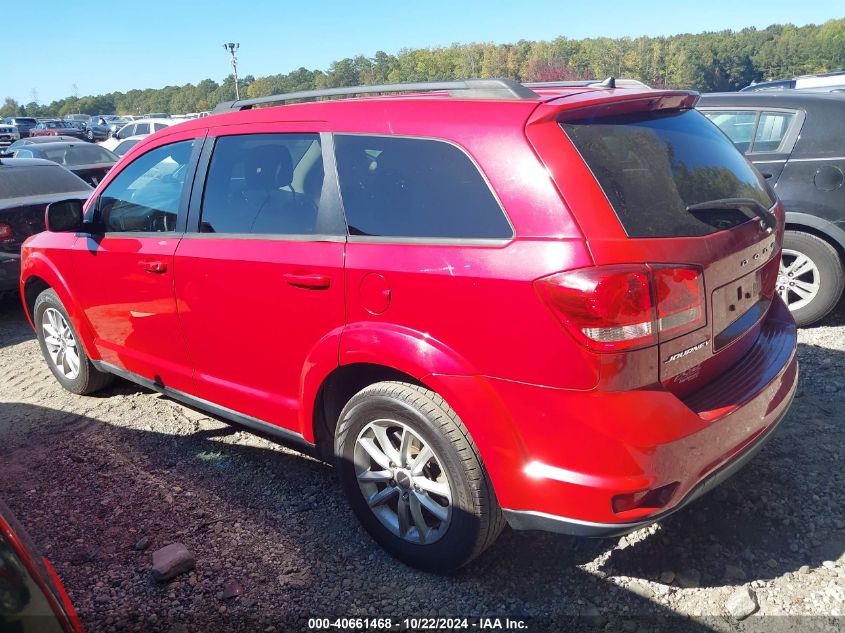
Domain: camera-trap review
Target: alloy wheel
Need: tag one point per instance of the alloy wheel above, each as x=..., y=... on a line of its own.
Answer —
x=61, y=343
x=798, y=279
x=403, y=481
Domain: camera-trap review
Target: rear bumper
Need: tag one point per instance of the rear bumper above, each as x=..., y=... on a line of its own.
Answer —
x=528, y=520
x=582, y=452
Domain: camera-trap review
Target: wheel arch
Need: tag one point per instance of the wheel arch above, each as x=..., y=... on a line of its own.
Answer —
x=371, y=353
x=40, y=274
x=821, y=228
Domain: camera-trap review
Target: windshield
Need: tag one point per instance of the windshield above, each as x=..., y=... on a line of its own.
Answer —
x=654, y=167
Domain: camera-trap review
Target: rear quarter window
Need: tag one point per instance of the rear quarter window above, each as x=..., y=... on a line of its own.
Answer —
x=653, y=166
x=415, y=188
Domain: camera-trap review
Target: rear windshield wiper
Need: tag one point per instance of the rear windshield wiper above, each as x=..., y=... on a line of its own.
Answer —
x=755, y=206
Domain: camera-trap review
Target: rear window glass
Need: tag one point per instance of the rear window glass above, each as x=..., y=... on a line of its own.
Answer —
x=78, y=155
x=38, y=180
x=653, y=166
x=415, y=188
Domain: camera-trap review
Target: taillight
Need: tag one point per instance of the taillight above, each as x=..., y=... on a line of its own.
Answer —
x=679, y=292
x=5, y=231
x=612, y=308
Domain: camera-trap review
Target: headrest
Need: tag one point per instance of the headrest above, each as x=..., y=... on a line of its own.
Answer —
x=267, y=167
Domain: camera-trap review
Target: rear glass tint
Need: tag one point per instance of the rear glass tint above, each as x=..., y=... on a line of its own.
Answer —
x=652, y=167
x=37, y=180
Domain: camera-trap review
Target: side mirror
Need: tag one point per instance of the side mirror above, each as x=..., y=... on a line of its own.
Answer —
x=64, y=216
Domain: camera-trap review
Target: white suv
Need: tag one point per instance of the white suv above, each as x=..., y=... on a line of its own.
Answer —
x=142, y=127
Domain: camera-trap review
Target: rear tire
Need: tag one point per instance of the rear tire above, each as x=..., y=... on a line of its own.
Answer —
x=817, y=273
x=62, y=349
x=450, y=510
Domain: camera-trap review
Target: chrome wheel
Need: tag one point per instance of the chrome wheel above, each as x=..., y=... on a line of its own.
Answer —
x=60, y=342
x=403, y=481
x=798, y=279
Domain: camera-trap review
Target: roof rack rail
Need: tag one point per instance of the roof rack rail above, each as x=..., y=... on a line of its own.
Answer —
x=609, y=82
x=465, y=88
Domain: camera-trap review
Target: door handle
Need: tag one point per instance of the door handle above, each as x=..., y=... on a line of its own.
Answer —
x=313, y=281
x=154, y=267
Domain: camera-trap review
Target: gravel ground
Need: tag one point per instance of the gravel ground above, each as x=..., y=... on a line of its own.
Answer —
x=101, y=482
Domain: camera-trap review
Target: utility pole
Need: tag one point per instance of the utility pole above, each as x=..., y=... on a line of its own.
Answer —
x=232, y=47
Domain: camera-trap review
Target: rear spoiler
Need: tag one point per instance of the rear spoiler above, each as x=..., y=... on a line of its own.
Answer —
x=601, y=103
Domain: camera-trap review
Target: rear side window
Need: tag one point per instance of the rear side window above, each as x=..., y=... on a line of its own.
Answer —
x=652, y=167
x=265, y=184
x=415, y=188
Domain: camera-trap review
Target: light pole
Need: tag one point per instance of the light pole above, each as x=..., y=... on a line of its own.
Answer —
x=232, y=47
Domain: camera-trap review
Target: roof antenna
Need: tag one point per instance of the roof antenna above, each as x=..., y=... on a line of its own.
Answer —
x=610, y=82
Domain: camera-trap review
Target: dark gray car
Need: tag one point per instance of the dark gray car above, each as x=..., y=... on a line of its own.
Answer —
x=26, y=188
x=797, y=141
x=97, y=128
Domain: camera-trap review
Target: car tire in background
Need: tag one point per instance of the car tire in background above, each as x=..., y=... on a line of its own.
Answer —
x=414, y=478
x=810, y=280
x=89, y=134
x=62, y=348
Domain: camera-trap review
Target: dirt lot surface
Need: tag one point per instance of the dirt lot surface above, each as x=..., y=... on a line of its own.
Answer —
x=101, y=482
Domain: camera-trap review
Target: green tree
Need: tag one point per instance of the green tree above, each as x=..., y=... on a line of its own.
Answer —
x=9, y=107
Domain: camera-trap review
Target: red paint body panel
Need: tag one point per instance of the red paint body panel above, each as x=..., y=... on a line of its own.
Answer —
x=131, y=309
x=257, y=325
x=620, y=442
x=249, y=330
x=437, y=292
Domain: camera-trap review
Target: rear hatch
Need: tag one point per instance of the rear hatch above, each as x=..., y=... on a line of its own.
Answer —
x=651, y=180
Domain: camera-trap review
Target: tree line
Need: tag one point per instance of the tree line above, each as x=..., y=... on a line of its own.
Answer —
x=711, y=61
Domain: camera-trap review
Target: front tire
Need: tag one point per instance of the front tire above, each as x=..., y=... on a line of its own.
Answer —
x=414, y=478
x=90, y=136
x=810, y=280
x=62, y=348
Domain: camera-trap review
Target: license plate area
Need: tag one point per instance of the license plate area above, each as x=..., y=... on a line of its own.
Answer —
x=737, y=306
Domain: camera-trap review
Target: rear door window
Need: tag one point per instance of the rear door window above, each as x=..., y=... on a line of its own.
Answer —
x=264, y=184
x=653, y=166
x=771, y=131
x=739, y=126
x=415, y=188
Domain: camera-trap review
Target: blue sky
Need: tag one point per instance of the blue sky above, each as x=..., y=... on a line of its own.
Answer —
x=102, y=46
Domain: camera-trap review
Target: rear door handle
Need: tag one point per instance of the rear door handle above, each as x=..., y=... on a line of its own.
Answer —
x=154, y=267
x=313, y=281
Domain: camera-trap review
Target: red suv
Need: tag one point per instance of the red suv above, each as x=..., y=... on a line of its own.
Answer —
x=552, y=307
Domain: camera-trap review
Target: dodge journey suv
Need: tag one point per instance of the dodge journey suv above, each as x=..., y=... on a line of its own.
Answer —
x=487, y=303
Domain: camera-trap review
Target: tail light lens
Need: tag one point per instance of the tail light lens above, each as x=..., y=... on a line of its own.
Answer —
x=5, y=231
x=680, y=300
x=613, y=308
